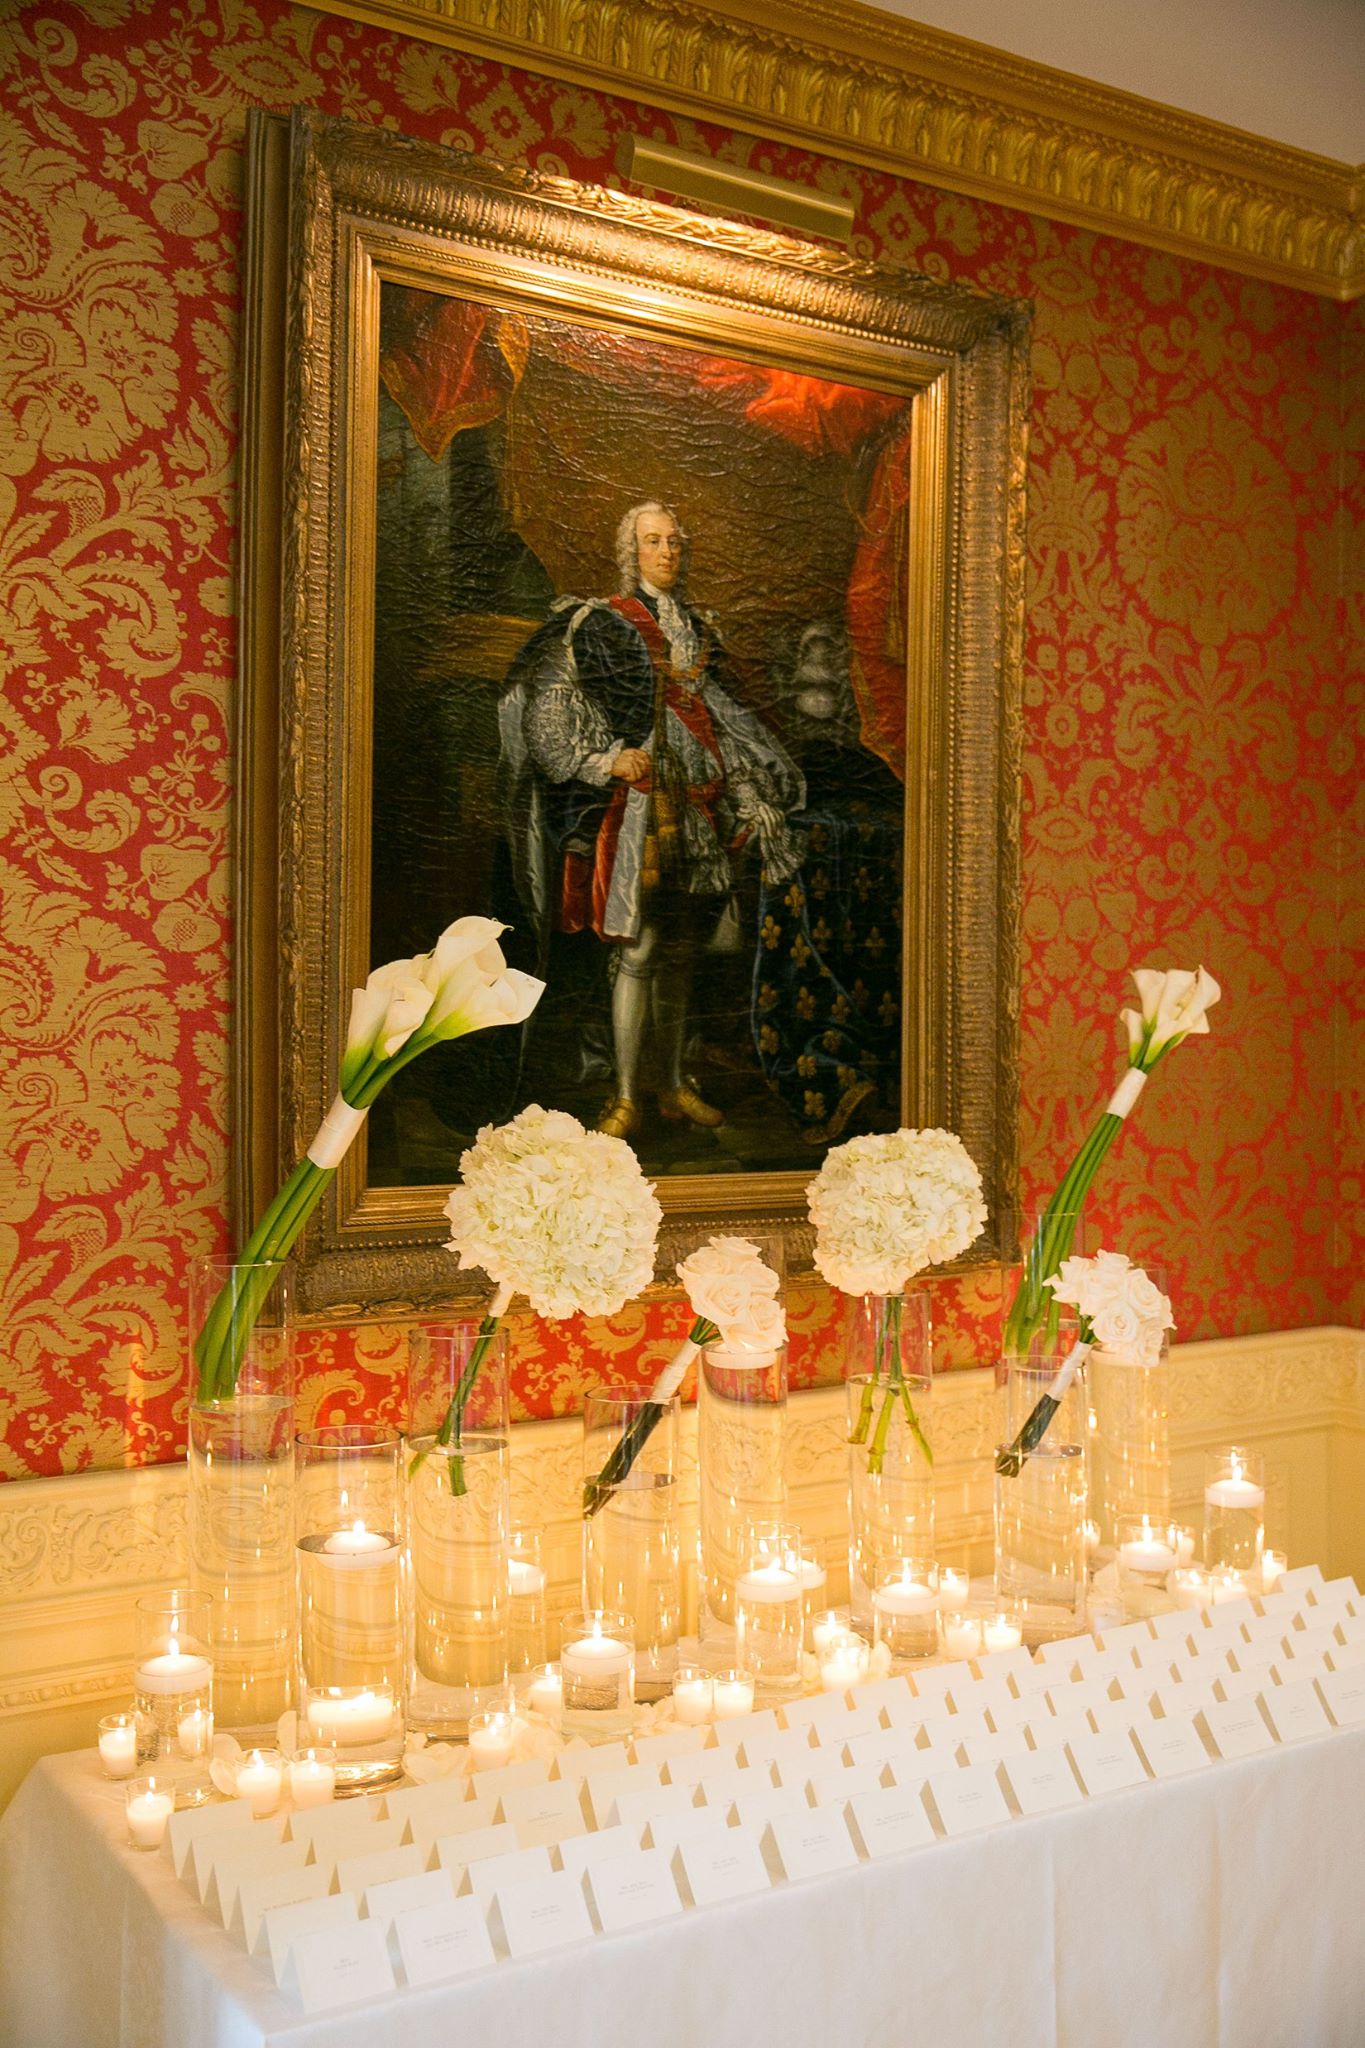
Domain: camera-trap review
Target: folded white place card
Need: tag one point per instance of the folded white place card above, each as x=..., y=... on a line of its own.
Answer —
x=425, y=1830
x=606, y=1787
x=233, y=1847
x=363, y=1838
x=543, y=1912
x=280, y=1925
x=634, y=1809
x=576, y=1763
x=836, y=1720
x=1077, y=1698
x=656, y=1749
x=1238, y=1728
x=970, y=1720
x=755, y=1809
x=256, y=1895
x=457, y=1852
x=1344, y=1692
x=1001, y=1664
x=1351, y=1627
x=887, y=1822
x=197, y=1823
x=583, y=1851
x=1254, y=1656
x=358, y=1873
x=723, y=1867
x=395, y=1895
x=496, y=1873
x=787, y=1750
x=1347, y=1656
x=877, y=1746
x=1171, y=1702
x=739, y=1727
x=884, y=1693
x=993, y=1749
x=1045, y=1731
x=631, y=1891
x=1172, y=1746
x=1222, y=1625
x=1342, y=1592
x=968, y=1799
x=1241, y=1685
x=1296, y=1711
x=1302, y=1576
x=935, y=1680
x=703, y=1824
x=445, y=1939
x=332, y=1966
x=722, y=1788
x=1108, y=1762
x=1175, y=1622
x=1042, y=1780
x=697, y=1764
x=831, y=1786
x=247, y=1860
x=560, y=1800
x=447, y=1795
x=491, y=1784
x=1126, y=1635
x=1313, y=1642
x=811, y=1844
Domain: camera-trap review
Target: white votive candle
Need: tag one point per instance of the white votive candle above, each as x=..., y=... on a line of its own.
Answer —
x=1227, y=1584
x=118, y=1745
x=961, y=1635
x=694, y=1700
x=491, y=1740
x=1181, y=1541
x=905, y=1595
x=148, y=1809
x=734, y=1695
x=177, y=1671
x=823, y=1630
x=1148, y=1553
x=312, y=1777
x=353, y=1719
x=524, y=1581
x=545, y=1693
x=844, y=1663
x=1190, y=1587
x=194, y=1734
x=952, y=1587
x=768, y=1584
x=260, y=1781
x=358, y=1546
x=1274, y=1565
x=1001, y=1632
x=1236, y=1491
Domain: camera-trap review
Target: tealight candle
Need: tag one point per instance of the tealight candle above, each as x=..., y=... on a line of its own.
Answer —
x=148, y=1809
x=694, y=1697
x=1181, y=1540
x=1001, y=1632
x=597, y=1671
x=1274, y=1565
x=1236, y=1491
x=1227, y=1584
x=260, y=1781
x=1090, y=1537
x=543, y=1690
x=845, y=1662
x=492, y=1738
x=768, y=1584
x=194, y=1734
x=905, y=1595
x=823, y=1628
x=1189, y=1586
x=312, y=1776
x=176, y=1671
x=358, y=1546
x=952, y=1587
x=350, y=1718
x=734, y=1695
x=961, y=1635
x=524, y=1580
x=118, y=1745
x=1147, y=1551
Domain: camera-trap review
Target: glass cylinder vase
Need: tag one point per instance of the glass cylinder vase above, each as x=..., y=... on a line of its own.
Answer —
x=770, y=1615
x=1234, y=1510
x=632, y=1546
x=888, y=1377
x=173, y=1690
x=1035, y=1325
x=349, y=1552
x=741, y=1475
x=1129, y=1447
x=461, y=1602
x=1040, y=1498
x=241, y=1485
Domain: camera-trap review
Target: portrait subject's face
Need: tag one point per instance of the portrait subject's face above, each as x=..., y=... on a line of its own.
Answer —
x=659, y=540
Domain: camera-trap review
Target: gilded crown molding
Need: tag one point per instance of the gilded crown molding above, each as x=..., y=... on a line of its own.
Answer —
x=895, y=95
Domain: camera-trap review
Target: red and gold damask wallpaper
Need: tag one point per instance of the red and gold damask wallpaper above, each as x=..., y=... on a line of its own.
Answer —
x=1193, y=748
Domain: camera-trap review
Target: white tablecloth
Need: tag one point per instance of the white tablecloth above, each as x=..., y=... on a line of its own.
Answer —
x=1220, y=1910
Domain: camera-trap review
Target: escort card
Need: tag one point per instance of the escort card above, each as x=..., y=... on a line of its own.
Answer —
x=281, y=1924
x=395, y=1895
x=580, y=1761
x=1255, y=1656
x=968, y=1799
x=457, y=1852
x=722, y=1788
x=1127, y=1636
x=787, y=1750
x=656, y=1749
x=606, y=1787
x=1042, y=1780
x=632, y=1891
x=542, y=1913
x=1296, y=1712
x=661, y=1802
x=702, y=1824
x=443, y=1940
x=350, y=1830
x=755, y=1809
x=496, y=1873
x=884, y=1694
x=878, y=1746
x=1238, y=1728
x=832, y=1786
x=811, y=1844
x=1308, y=1643
x=425, y=1830
x=358, y=1873
x=1347, y=1656
x=1302, y=1577
x=935, y=1680
x=888, y=1822
x=1031, y=1679
x=256, y=1895
x=1344, y=1692
x=1222, y=1625
x=1176, y=1622
x=991, y=1749
x=1241, y=1685
x=1172, y=1746
x=447, y=1795
x=582, y=1852
x=1010, y=1713
x=697, y=1764
x=1001, y=1664
x=1107, y=1762
x=834, y=1721
x=546, y=1812
x=729, y=1734
x=201, y=1823
x=723, y=1867
x=332, y=1966
x=1342, y=1592
x=244, y=1860
x=1047, y=1730
x=491, y=1784
x=1078, y=1698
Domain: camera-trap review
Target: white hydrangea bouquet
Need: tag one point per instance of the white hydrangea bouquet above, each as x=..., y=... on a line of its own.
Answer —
x=733, y=1295
x=1174, y=1006
x=463, y=984
x=552, y=1211
x=885, y=1208
x=1122, y=1312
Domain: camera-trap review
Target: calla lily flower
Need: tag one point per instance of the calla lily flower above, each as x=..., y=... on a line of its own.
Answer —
x=1175, y=1005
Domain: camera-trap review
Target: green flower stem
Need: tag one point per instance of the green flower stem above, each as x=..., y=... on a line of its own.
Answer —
x=597, y=1492
x=888, y=1372
x=1056, y=1231
x=452, y=1423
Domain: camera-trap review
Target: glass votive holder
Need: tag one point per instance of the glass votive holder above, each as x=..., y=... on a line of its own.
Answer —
x=539, y=1690
x=845, y=1661
x=492, y=1739
x=694, y=1696
x=905, y=1611
x=1003, y=1629
x=812, y=1570
x=148, y=1804
x=1274, y=1565
x=953, y=1587
x=1146, y=1559
x=597, y=1674
x=312, y=1775
x=525, y=1601
x=118, y=1745
x=194, y=1734
x=820, y=1627
x=259, y=1778
x=1183, y=1540
x=961, y=1634
x=364, y=1725
x=1234, y=1509
x=1190, y=1588
x=734, y=1694
x=173, y=1673
x=770, y=1615
x=1227, y=1583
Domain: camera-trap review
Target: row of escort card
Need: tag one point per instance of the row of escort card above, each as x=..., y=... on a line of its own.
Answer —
x=436, y=1880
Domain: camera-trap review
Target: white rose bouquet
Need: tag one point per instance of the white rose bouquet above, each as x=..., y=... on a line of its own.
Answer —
x=464, y=984
x=1122, y=1311
x=884, y=1208
x=1175, y=1005
x=558, y=1213
x=732, y=1295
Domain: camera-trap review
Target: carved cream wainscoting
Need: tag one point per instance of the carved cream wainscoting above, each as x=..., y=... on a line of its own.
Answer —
x=75, y=1552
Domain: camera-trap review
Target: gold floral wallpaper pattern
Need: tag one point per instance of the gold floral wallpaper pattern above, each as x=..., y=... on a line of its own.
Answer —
x=1194, y=705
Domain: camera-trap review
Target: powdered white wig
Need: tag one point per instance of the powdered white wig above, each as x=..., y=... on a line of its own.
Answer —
x=628, y=545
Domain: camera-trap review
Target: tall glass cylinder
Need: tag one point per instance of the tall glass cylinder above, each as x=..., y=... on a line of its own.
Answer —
x=1035, y=1325
x=888, y=1374
x=632, y=1544
x=770, y=1615
x=349, y=1551
x=1040, y=1501
x=741, y=1476
x=525, y=1601
x=1234, y=1510
x=173, y=1689
x=460, y=1606
x=241, y=1488
x=1129, y=1448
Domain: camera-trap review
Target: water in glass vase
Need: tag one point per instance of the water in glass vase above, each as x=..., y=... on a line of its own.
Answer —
x=241, y=1478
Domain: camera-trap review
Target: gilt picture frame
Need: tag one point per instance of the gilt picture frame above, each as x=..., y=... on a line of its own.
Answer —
x=523, y=462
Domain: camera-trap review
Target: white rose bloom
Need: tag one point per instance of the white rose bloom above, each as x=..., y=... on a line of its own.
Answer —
x=728, y=1284
x=1118, y=1326
x=1127, y=1312
x=886, y=1207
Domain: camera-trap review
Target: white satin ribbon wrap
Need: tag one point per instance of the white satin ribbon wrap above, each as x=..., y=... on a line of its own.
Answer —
x=335, y=1133
x=673, y=1374
x=1127, y=1092
x=1070, y=1366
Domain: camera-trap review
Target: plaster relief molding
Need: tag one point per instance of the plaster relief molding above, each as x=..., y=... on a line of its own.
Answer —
x=898, y=96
